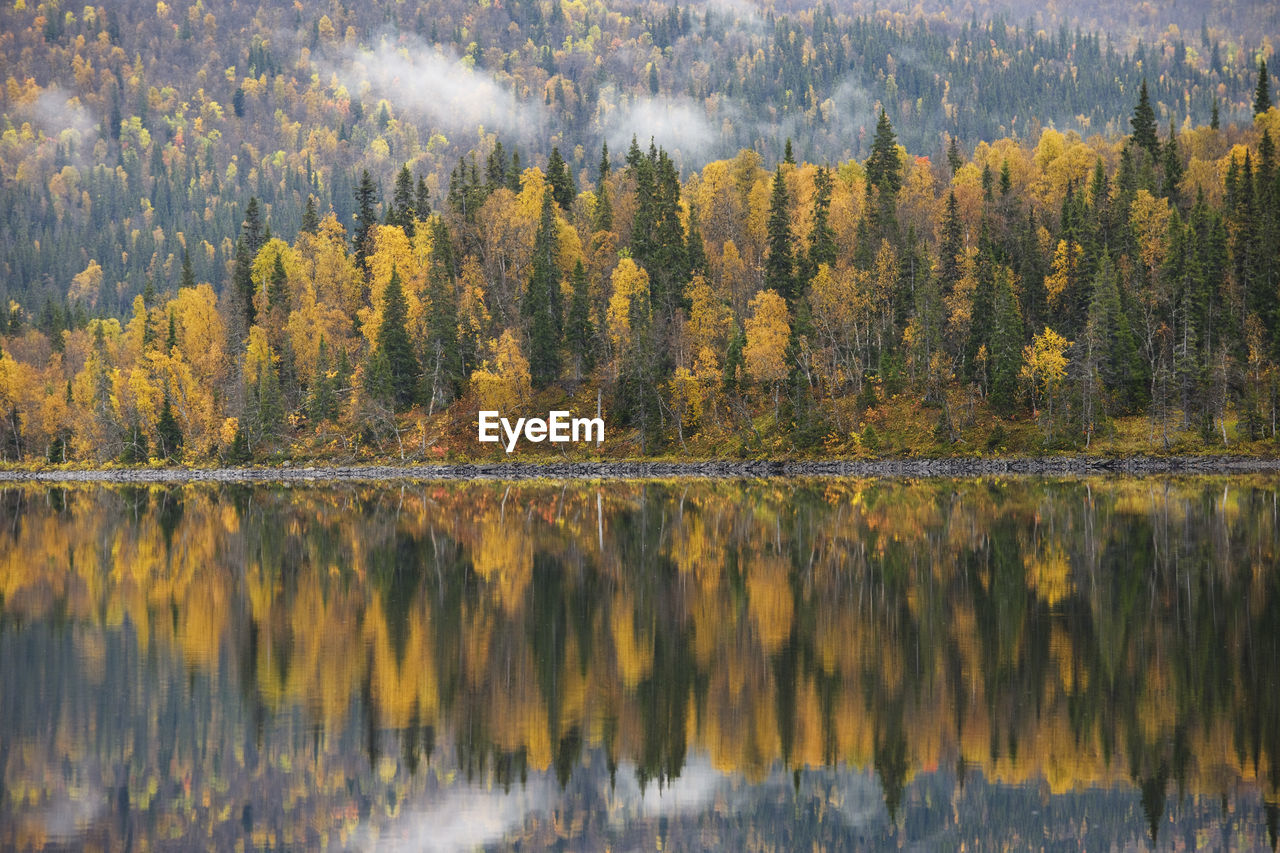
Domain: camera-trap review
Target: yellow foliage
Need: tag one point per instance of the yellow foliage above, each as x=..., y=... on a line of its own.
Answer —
x=1063, y=272
x=630, y=282
x=85, y=285
x=505, y=386
x=768, y=331
x=1044, y=364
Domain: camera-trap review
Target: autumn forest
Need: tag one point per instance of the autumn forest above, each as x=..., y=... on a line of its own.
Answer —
x=235, y=249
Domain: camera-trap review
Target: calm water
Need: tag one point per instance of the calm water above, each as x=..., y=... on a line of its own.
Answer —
x=761, y=665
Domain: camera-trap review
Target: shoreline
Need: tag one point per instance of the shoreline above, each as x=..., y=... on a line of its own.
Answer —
x=658, y=470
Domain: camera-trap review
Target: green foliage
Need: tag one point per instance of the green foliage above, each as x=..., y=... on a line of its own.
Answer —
x=1262, y=93
x=542, y=302
x=136, y=447
x=561, y=180
x=1144, y=124
x=239, y=452
x=1006, y=343
x=580, y=333
x=779, y=269
x=394, y=345
x=871, y=439
x=168, y=433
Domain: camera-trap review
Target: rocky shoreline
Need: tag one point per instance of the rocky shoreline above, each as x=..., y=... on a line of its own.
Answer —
x=655, y=470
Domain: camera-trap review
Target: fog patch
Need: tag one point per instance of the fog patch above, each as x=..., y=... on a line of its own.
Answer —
x=61, y=117
x=680, y=125
x=438, y=86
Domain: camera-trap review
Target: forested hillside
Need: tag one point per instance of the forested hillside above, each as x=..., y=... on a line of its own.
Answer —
x=294, y=254
x=135, y=131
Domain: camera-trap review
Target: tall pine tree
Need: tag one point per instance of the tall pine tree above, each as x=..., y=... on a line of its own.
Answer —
x=1262, y=94
x=542, y=301
x=779, y=264
x=394, y=344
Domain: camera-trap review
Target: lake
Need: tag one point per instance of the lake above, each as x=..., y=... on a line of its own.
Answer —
x=764, y=664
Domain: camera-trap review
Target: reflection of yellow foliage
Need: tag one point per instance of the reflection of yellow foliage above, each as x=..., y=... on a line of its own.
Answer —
x=873, y=623
x=769, y=601
x=1049, y=573
x=635, y=655
x=504, y=559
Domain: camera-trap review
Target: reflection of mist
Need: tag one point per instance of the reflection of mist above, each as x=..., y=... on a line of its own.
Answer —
x=694, y=789
x=467, y=817
x=66, y=817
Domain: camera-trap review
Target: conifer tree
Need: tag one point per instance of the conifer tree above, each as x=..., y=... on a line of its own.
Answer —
x=579, y=330
x=884, y=180
x=1144, y=125
x=278, y=287
x=561, y=180
x=188, y=277
x=168, y=433
x=542, y=303
x=322, y=403
x=822, y=238
x=658, y=237
x=634, y=155
x=403, y=208
x=884, y=169
x=366, y=219
x=310, y=218
x=422, y=201
x=242, y=284
x=1262, y=94
x=604, y=166
x=495, y=167
x=779, y=265
x=1117, y=356
x=949, y=252
x=442, y=356
x=393, y=343
x=266, y=414
x=254, y=233
x=1172, y=167
x=1006, y=342
x=604, y=206
x=954, y=159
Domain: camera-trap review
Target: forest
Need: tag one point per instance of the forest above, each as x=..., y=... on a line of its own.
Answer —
x=897, y=234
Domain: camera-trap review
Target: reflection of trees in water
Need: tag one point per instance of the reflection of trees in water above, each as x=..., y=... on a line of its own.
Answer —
x=1079, y=633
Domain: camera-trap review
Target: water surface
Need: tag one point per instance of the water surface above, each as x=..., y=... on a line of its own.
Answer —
x=770, y=664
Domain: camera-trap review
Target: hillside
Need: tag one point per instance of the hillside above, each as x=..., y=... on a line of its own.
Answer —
x=136, y=131
x=299, y=252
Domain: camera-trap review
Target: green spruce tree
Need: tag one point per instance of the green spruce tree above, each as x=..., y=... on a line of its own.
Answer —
x=393, y=342
x=779, y=264
x=561, y=180
x=1262, y=94
x=1144, y=125
x=1006, y=343
x=579, y=330
x=542, y=301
